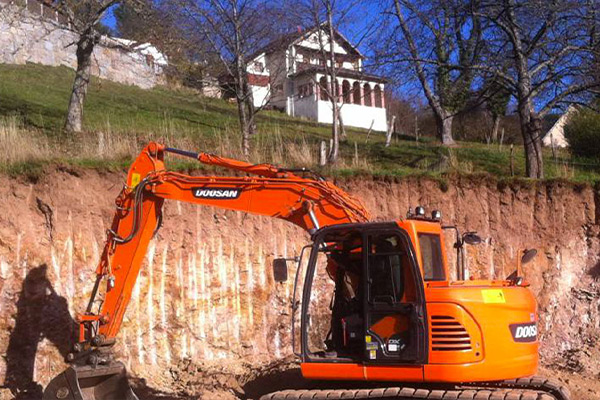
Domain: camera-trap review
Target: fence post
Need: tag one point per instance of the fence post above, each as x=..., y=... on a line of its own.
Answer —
x=512, y=160
x=323, y=153
x=388, y=137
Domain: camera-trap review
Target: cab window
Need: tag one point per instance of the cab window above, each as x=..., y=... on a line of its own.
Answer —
x=431, y=254
x=385, y=268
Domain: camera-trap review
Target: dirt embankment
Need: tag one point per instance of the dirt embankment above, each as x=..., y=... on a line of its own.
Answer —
x=206, y=294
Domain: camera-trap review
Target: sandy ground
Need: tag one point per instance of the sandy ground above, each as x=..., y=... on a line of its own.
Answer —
x=582, y=386
x=234, y=380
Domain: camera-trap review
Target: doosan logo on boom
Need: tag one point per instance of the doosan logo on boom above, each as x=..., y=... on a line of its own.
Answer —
x=217, y=193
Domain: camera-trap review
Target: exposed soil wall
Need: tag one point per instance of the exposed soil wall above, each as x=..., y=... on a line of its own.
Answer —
x=206, y=291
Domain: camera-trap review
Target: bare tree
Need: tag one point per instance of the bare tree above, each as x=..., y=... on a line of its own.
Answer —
x=233, y=31
x=83, y=17
x=543, y=53
x=437, y=40
x=326, y=17
x=333, y=94
x=497, y=98
x=403, y=109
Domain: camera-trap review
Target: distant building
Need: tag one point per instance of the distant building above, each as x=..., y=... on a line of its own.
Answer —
x=289, y=74
x=555, y=137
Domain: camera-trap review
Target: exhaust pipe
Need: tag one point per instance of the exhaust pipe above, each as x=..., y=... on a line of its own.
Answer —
x=88, y=382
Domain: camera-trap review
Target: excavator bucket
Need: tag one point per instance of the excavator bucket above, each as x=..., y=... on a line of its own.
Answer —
x=104, y=382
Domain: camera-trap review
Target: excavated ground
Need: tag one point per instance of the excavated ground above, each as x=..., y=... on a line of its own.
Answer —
x=233, y=381
x=206, y=319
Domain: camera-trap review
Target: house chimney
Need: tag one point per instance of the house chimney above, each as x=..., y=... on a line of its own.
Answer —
x=299, y=29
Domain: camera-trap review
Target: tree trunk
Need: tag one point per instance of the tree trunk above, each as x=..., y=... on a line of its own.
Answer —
x=249, y=100
x=531, y=130
x=335, y=136
x=241, y=86
x=243, y=117
x=495, y=128
x=85, y=49
x=343, y=136
x=444, y=128
x=242, y=101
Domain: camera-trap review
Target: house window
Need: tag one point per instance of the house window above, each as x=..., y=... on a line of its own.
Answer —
x=356, y=93
x=305, y=90
x=258, y=66
x=367, y=94
x=323, y=88
x=346, y=91
x=378, y=96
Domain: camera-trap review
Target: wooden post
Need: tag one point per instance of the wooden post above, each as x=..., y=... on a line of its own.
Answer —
x=417, y=128
x=369, y=131
x=388, y=137
x=512, y=160
x=323, y=153
x=355, y=154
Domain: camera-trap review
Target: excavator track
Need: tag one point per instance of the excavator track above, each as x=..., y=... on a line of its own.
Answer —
x=534, y=388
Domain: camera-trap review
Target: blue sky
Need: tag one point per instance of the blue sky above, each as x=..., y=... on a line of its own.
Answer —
x=109, y=19
x=364, y=13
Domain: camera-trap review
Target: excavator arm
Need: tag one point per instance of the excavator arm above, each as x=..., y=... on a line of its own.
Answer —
x=309, y=203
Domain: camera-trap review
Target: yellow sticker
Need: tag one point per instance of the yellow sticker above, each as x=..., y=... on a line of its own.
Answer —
x=135, y=179
x=493, y=296
x=368, y=339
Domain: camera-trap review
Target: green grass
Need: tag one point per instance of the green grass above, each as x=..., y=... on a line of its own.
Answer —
x=120, y=118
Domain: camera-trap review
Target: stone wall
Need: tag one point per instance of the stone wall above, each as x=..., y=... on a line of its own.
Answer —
x=28, y=37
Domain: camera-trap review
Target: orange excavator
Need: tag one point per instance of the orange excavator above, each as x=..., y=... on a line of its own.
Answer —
x=394, y=324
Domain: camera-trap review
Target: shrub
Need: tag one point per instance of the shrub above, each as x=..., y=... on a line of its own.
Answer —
x=583, y=134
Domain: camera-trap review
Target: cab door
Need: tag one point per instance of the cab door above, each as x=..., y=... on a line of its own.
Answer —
x=394, y=304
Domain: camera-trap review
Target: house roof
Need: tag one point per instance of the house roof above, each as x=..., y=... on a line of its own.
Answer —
x=286, y=40
x=342, y=73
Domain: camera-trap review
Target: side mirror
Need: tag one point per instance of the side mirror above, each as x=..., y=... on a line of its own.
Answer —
x=528, y=255
x=471, y=238
x=280, y=271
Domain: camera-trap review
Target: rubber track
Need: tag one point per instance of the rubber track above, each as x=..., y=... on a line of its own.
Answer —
x=522, y=389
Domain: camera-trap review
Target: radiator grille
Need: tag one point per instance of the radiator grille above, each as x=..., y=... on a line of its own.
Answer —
x=447, y=334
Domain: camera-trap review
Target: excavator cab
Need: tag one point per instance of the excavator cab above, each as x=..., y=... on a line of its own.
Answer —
x=363, y=299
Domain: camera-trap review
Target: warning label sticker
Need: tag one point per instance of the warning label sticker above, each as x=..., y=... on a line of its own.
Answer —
x=491, y=296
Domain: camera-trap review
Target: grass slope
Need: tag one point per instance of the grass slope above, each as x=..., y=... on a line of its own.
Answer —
x=119, y=118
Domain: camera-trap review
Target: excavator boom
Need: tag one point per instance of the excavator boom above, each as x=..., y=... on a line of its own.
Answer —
x=265, y=190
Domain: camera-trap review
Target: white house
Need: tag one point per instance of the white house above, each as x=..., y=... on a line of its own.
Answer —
x=289, y=74
x=555, y=137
